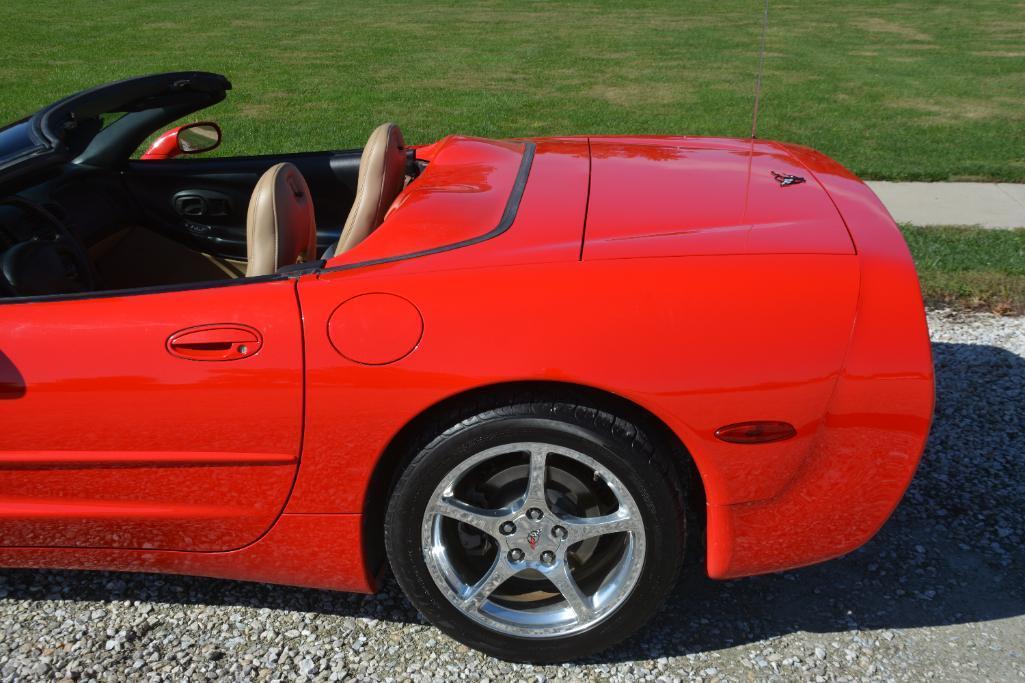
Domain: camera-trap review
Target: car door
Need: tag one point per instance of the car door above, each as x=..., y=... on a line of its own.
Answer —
x=161, y=419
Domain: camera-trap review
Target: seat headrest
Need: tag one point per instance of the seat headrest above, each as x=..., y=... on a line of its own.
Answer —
x=382, y=174
x=280, y=226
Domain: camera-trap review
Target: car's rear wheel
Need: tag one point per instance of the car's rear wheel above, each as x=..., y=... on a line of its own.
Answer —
x=537, y=531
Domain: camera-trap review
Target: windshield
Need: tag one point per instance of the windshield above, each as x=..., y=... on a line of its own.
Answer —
x=17, y=140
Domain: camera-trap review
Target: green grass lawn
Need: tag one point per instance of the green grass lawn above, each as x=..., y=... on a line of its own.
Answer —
x=970, y=267
x=922, y=89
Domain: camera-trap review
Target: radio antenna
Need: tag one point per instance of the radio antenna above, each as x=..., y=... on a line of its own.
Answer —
x=761, y=67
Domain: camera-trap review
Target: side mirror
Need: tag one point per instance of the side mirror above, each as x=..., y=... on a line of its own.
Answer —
x=192, y=138
x=195, y=138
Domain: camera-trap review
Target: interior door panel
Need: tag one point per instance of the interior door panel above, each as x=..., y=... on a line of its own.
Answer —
x=203, y=202
x=167, y=420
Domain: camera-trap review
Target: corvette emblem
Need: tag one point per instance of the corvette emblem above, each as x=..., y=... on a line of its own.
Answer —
x=785, y=180
x=533, y=537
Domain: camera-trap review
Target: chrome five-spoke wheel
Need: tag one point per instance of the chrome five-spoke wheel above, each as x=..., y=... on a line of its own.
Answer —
x=537, y=531
x=533, y=539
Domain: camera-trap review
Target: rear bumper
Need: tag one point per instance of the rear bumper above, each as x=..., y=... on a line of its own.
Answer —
x=878, y=419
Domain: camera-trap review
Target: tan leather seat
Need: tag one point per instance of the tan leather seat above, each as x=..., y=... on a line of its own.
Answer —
x=382, y=170
x=280, y=225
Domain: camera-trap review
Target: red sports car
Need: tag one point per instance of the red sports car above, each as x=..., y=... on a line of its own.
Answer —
x=518, y=372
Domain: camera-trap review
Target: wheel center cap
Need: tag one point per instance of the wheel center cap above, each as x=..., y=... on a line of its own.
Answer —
x=533, y=537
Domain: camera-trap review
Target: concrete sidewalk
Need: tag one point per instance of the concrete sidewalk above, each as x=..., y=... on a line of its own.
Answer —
x=990, y=205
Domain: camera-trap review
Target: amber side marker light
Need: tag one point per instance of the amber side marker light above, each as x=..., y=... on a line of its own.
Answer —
x=757, y=431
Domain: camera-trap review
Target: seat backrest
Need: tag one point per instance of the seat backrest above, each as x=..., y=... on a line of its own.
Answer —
x=280, y=226
x=382, y=170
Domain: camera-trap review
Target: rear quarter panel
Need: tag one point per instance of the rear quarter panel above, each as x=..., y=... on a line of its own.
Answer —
x=835, y=344
x=699, y=341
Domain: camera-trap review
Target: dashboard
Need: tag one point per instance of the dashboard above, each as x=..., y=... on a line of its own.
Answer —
x=45, y=233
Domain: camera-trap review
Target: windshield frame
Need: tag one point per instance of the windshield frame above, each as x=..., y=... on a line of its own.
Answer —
x=28, y=144
x=66, y=130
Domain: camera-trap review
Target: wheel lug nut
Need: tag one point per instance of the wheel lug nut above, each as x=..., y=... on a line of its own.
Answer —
x=515, y=555
x=559, y=532
x=507, y=528
x=548, y=557
x=535, y=514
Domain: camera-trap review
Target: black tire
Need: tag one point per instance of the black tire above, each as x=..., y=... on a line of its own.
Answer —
x=618, y=445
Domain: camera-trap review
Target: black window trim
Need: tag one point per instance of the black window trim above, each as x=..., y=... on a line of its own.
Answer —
x=140, y=291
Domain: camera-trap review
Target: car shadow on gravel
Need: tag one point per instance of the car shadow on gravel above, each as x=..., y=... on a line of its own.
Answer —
x=106, y=587
x=952, y=553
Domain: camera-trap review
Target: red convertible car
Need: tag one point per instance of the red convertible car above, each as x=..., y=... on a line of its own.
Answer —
x=519, y=372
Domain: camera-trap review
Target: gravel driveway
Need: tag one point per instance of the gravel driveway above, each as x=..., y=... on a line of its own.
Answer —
x=939, y=593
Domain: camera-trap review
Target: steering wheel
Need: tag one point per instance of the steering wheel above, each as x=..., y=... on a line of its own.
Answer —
x=57, y=264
